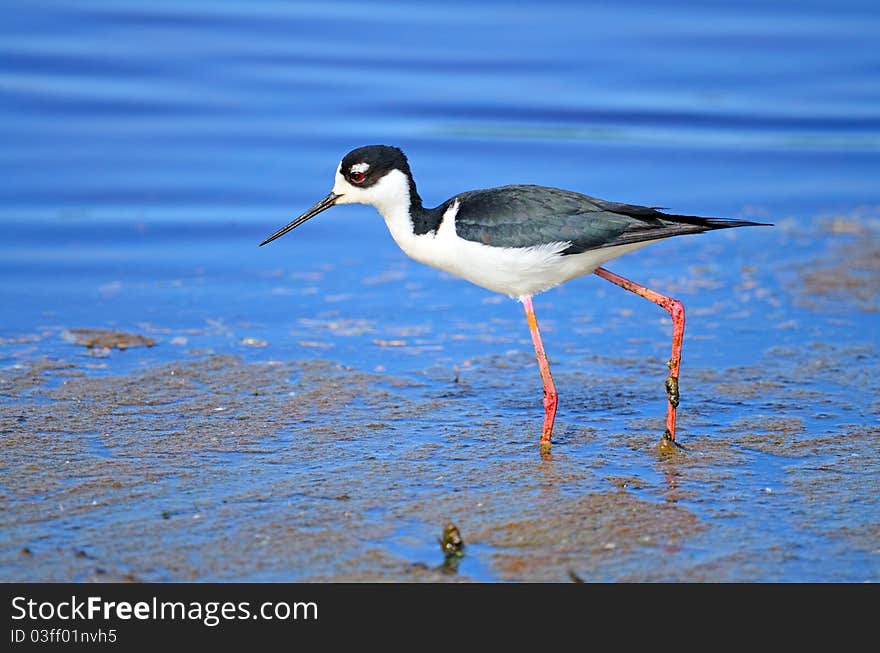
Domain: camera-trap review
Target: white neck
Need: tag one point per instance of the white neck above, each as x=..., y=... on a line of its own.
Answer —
x=390, y=195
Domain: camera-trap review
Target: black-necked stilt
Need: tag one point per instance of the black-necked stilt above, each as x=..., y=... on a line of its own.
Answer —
x=516, y=240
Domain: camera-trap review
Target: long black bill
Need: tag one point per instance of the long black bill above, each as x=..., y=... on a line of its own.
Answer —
x=323, y=205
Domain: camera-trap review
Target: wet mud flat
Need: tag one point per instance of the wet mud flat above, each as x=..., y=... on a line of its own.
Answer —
x=219, y=466
x=217, y=469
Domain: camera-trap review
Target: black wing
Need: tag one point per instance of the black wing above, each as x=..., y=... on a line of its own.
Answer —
x=524, y=216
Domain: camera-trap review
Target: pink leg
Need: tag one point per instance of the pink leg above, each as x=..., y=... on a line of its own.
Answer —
x=550, y=396
x=676, y=310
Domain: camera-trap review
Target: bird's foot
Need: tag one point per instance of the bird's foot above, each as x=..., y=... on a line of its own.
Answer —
x=545, y=453
x=668, y=443
x=545, y=443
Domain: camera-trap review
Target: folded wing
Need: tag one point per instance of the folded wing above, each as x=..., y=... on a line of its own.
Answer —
x=525, y=216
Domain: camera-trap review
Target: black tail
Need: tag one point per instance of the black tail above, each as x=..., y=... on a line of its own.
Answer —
x=651, y=224
x=708, y=224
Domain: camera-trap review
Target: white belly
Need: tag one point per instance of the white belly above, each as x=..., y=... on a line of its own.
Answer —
x=514, y=271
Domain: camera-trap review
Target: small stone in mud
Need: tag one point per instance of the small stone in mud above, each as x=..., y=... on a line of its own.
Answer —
x=626, y=482
x=106, y=339
x=451, y=542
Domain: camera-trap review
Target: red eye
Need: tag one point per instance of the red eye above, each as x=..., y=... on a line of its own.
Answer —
x=356, y=176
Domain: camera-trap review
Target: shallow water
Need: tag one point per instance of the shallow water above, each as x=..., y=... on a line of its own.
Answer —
x=320, y=407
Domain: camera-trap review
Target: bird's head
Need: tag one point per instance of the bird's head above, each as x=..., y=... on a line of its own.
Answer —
x=378, y=175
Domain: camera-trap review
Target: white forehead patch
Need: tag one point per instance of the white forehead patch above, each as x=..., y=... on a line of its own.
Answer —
x=360, y=167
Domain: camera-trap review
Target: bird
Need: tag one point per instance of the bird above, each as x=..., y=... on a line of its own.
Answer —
x=518, y=240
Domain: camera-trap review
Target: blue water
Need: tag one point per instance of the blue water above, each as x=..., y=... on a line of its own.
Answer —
x=147, y=148
x=147, y=145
